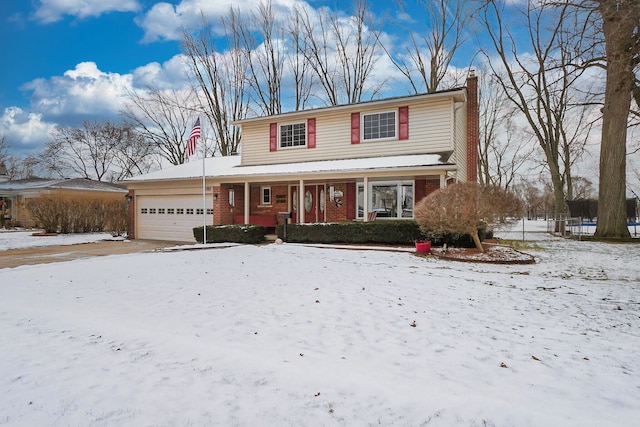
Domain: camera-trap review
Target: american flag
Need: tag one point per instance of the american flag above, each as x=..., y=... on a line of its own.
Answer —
x=193, y=139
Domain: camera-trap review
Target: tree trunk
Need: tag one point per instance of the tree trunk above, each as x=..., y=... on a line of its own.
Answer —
x=618, y=27
x=476, y=240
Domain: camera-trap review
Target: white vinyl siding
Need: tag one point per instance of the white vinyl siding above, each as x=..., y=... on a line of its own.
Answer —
x=430, y=131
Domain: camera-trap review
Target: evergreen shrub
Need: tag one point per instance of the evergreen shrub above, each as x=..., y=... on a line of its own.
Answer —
x=250, y=234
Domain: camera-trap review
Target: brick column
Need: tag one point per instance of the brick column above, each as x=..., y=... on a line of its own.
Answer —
x=473, y=120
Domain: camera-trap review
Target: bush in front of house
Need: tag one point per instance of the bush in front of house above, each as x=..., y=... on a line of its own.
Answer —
x=79, y=213
x=465, y=209
x=251, y=234
x=389, y=232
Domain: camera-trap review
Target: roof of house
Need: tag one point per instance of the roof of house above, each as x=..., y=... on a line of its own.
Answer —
x=456, y=93
x=229, y=167
x=83, y=184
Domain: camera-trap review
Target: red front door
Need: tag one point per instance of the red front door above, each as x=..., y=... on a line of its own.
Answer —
x=312, y=204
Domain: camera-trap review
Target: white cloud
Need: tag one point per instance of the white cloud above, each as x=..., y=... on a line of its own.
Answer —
x=164, y=21
x=84, y=91
x=22, y=129
x=171, y=74
x=53, y=10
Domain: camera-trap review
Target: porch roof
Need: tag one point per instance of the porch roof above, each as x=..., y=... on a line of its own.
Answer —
x=222, y=168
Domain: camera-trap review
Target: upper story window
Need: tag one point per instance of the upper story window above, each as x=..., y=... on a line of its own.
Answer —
x=293, y=135
x=379, y=126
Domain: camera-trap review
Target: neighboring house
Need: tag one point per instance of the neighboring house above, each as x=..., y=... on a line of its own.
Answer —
x=15, y=194
x=372, y=160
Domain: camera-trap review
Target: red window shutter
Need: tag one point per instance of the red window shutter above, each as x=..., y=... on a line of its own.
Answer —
x=311, y=133
x=403, y=123
x=355, y=128
x=351, y=200
x=273, y=137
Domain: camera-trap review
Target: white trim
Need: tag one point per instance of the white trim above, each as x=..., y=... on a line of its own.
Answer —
x=264, y=202
x=292, y=124
x=386, y=138
x=367, y=185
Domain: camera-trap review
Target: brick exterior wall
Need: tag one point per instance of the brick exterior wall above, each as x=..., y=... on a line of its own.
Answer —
x=336, y=209
x=473, y=119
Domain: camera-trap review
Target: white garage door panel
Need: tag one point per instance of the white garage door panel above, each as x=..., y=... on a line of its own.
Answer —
x=170, y=217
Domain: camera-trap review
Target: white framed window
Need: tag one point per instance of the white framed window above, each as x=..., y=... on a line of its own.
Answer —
x=180, y=211
x=265, y=195
x=232, y=197
x=144, y=211
x=189, y=211
x=171, y=211
x=199, y=211
x=293, y=135
x=161, y=210
x=377, y=126
x=388, y=199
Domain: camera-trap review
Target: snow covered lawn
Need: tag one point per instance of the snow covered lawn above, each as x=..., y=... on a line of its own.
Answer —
x=293, y=335
x=27, y=239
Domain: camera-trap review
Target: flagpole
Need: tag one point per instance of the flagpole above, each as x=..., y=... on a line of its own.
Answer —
x=204, y=193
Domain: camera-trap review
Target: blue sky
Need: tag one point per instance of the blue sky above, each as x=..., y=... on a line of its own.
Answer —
x=65, y=61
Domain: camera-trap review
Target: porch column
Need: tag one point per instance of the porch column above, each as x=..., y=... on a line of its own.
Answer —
x=443, y=180
x=247, y=202
x=301, y=210
x=365, y=202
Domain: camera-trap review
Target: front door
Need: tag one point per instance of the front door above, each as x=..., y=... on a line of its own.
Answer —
x=313, y=203
x=310, y=203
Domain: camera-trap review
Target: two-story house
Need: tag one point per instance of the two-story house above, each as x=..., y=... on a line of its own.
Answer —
x=368, y=161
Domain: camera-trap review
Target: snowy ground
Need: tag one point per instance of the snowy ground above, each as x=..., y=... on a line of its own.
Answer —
x=27, y=239
x=295, y=335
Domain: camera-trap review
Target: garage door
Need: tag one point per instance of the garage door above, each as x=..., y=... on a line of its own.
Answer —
x=170, y=218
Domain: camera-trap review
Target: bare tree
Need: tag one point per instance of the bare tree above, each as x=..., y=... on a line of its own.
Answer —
x=503, y=150
x=426, y=59
x=91, y=151
x=621, y=30
x=341, y=52
x=542, y=85
x=265, y=51
x=297, y=66
x=220, y=81
x=163, y=118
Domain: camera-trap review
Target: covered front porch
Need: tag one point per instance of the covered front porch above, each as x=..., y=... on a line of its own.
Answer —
x=365, y=198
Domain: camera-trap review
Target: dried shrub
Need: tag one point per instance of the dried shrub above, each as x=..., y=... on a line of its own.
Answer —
x=463, y=208
x=79, y=213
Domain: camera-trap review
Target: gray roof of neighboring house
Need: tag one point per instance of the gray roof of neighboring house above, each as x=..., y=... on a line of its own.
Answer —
x=82, y=184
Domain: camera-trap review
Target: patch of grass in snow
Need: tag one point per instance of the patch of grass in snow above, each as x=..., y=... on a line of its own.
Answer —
x=520, y=245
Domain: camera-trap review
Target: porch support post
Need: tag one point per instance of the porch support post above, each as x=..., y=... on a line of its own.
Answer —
x=301, y=210
x=365, y=202
x=247, y=202
x=443, y=180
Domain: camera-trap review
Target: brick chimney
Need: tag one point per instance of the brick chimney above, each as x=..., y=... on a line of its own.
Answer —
x=473, y=127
